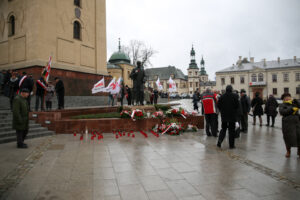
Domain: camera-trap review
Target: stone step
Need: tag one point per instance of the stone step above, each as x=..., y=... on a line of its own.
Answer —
x=12, y=132
x=9, y=123
x=29, y=136
x=9, y=127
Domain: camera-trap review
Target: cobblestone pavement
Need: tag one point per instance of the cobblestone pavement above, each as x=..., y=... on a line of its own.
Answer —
x=169, y=167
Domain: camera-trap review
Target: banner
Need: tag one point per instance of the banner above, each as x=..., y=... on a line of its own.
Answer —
x=111, y=85
x=99, y=87
x=46, y=71
x=159, y=85
x=172, y=85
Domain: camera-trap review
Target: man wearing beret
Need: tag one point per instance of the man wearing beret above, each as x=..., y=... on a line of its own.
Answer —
x=20, y=117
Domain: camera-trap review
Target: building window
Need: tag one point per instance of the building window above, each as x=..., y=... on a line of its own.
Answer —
x=196, y=73
x=190, y=73
x=286, y=90
x=286, y=77
x=11, y=26
x=77, y=30
x=242, y=80
x=191, y=84
x=196, y=84
x=232, y=80
x=128, y=74
x=274, y=78
x=260, y=77
x=223, y=81
x=297, y=90
x=275, y=91
x=77, y=3
x=176, y=85
x=298, y=76
x=253, y=78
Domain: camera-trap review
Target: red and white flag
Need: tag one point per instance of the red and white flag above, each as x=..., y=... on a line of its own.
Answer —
x=116, y=87
x=99, y=87
x=172, y=85
x=111, y=85
x=159, y=85
x=46, y=71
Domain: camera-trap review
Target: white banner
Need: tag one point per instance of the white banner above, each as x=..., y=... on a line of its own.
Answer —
x=172, y=85
x=99, y=87
x=159, y=85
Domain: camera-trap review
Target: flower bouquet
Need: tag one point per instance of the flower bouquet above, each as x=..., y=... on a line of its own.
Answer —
x=175, y=112
x=191, y=127
x=172, y=128
x=158, y=115
x=125, y=114
x=137, y=114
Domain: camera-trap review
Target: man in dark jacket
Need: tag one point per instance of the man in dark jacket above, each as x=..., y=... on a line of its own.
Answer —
x=271, y=109
x=155, y=97
x=138, y=77
x=128, y=95
x=39, y=94
x=246, y=106
x=196, y=99
x=60, y=93
x=20, y=117
x=228, y=105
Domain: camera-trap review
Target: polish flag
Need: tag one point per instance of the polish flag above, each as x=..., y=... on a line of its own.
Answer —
x=172, y=85
x=159, y=85
x=99, y=87
x=46, y=71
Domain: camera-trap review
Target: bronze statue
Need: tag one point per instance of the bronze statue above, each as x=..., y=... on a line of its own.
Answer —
x=138, y=77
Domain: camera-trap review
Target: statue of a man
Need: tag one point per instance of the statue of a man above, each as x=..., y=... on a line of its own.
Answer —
x=138, y=77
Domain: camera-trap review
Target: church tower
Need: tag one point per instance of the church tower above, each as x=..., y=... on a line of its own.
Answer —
x=203, y=74
x=193, y=73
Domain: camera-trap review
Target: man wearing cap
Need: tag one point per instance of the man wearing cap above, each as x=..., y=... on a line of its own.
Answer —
x=246, y=106
x=20, y=117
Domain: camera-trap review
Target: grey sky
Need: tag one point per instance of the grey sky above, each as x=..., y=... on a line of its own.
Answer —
x=221, y=30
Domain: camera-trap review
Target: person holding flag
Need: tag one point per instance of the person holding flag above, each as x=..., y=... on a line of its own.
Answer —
x=40, y=93
x=26, y=82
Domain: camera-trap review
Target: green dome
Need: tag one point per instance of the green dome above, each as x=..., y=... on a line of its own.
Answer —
x=119, y=56
x=193, y=53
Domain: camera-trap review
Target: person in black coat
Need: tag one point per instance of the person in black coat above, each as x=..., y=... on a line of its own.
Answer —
x=256, y=105
x=228, y=105
x=246, y=107
x=28, y=84
x=40, y=93
x=155, y=97
x=128, y=95
x=13, y=87
x=196, y=99
x=60, y=93
x=271, y=110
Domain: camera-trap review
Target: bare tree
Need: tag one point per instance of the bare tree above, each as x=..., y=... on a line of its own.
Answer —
x=137, y=50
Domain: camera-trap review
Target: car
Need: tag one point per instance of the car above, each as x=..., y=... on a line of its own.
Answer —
x=183, y=95
x=164, y=95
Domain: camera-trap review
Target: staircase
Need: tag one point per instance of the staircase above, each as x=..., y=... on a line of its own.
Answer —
x=7, y=134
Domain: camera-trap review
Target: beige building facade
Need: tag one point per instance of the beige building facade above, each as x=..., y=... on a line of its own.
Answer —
x=266, y=77
x=72, y=32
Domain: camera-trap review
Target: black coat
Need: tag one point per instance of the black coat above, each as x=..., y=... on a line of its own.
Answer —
x=60, y=88
x=290, y=125
x=40, y=91
x=13, y=85
x=271, y=107
x=245, y=104
x=27, y=83
x=229, y=106
x=256, y=104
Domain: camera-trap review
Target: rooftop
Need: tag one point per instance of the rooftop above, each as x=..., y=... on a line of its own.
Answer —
x=266, y=65
x=164, y=73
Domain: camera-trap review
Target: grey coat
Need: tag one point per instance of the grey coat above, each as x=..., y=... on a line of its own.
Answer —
x=290, y=125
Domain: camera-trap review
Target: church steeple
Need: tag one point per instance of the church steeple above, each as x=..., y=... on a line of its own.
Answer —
x=193, y=64
x=119, y=44
x=202, y=63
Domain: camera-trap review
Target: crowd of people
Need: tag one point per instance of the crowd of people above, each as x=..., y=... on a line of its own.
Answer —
x=150, y=97
x=12, y=82
x=235, y=107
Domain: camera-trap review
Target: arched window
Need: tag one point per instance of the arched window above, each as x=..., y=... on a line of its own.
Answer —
x=260, y=77
x=254, y=78
x=77, y=3
x=11, y=30
x=76, y=30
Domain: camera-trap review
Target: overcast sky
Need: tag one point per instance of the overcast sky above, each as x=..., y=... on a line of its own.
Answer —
x=220, y=30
